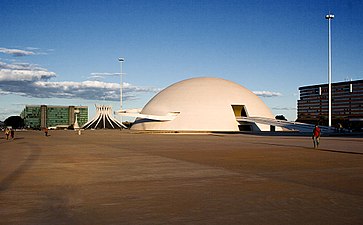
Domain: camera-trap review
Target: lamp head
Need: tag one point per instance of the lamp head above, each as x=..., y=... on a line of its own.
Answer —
x=329, y=16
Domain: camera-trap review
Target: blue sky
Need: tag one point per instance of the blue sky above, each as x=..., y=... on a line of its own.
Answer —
x=65, y=52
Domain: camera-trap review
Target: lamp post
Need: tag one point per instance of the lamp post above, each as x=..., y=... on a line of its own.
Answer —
x=75, y=125
x=121, y=60
x=329, y=17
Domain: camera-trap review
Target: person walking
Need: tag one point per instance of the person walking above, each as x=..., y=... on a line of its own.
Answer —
x=7, y=133
x=12, y=133
x=316, y=136
x=46, y=131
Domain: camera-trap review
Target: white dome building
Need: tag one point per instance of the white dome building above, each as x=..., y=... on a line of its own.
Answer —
x=203, y=104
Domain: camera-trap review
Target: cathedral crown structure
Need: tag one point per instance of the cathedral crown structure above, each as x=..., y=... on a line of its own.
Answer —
x=103, y=119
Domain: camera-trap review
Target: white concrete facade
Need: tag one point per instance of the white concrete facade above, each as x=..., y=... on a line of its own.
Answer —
x=203, y=104
x=103, y=119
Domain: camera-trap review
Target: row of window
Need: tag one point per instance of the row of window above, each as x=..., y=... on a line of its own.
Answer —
x=306, y=115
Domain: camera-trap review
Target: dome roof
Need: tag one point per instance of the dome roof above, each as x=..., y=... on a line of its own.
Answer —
x=202, y=104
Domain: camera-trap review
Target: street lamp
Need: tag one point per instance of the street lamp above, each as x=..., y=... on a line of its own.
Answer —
x=121, y=60
x=75, y=125
x=329, y=17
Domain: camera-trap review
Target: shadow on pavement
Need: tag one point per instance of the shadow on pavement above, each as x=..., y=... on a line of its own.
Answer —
x=16, y=174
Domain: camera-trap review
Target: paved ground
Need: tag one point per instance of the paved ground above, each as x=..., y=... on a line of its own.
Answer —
x=118, y=177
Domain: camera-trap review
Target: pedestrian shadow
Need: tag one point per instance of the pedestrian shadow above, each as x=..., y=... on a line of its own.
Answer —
x=338, y=151
x=17, y=138
x=319, y=149
x=18, y=172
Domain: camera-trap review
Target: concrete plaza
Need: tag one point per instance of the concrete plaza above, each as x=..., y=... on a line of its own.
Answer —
x=123, y=177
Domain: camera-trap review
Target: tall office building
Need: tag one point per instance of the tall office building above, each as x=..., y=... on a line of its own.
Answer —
x=39, y=116
x=347, y=104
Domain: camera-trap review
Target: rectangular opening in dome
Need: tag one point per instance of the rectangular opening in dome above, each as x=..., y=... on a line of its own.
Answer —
x=239, y=110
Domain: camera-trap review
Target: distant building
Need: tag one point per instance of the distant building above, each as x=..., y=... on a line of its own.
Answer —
x=203, y=104
x=103, y=119
x=347, y=104
x=38, y=116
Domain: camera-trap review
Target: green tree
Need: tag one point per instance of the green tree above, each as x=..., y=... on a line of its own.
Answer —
x=15, y=122
x=280, y=117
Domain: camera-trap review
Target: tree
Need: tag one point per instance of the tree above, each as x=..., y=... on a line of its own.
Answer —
x=280, y=117
x=15, y=122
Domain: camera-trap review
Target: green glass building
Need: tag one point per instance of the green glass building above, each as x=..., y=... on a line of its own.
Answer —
x=39, y=116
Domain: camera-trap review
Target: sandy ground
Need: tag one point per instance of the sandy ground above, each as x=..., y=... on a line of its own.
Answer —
x=122, y=177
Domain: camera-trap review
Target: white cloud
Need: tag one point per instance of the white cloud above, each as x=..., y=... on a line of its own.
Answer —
x=283, y=108
x=23, y=72
x=67, y=85
x=267, y=93
x=89, y=90
x=25, y=52
x=33, y=81
x=101, y=76
x=105, y=74
x=16, y=52
x=32, y=48
x=11, y=110
x=4, y=92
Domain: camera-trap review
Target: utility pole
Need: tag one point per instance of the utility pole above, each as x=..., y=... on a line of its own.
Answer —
x=329, y=17
x=121, y=60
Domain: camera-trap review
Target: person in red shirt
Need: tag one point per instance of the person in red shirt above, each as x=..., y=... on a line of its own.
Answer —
x=316, y=136
x=46, y=131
